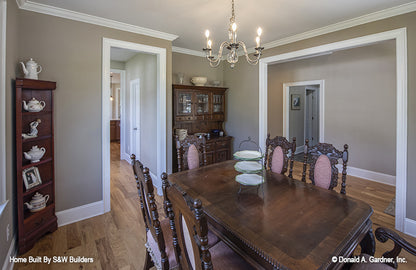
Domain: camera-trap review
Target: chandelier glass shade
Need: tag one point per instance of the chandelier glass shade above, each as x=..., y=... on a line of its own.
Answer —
x=232, y=45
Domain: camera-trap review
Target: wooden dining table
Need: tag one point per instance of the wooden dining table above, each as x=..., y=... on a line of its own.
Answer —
x=282, y=223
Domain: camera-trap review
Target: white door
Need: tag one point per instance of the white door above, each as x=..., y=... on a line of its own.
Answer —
x=135, y=117
x=311, y=127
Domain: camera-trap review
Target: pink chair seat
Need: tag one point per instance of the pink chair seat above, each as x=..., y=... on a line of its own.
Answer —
x=193, y=157
x=322, y=172
x=224, y=257
x=277, y=160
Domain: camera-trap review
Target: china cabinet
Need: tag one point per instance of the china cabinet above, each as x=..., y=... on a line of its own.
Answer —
x=201, y=109
x=35, y=187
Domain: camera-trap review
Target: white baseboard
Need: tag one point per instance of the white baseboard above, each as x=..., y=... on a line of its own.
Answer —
x=410, y=227
x=7, y=265
x=299, y=149
x=126, y=157
x=370, y=175
x=80, y=213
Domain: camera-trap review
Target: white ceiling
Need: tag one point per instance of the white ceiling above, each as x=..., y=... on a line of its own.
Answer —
x=190, y=18
x=122, y=55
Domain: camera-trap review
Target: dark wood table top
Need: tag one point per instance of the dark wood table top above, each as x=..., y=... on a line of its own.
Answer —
x=287, y=222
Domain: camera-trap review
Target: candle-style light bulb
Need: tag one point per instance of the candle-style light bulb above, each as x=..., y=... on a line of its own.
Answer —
x=234, y=27
x=209, y=44
x=207, y=33
x=259, y=31
x=258, y=41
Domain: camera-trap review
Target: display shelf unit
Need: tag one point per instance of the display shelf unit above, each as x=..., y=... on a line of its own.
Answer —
x=33, y=225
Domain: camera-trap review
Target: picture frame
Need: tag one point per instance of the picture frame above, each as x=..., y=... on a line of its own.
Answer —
x=295, y=102
x=31, y=177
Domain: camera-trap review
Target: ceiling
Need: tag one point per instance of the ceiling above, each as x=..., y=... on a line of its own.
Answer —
x=190, y=18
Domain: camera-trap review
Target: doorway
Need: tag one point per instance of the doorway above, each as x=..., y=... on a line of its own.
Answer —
x=160, y=149
x=302, y=110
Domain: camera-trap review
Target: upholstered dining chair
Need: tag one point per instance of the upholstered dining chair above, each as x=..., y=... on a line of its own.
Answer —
x=191, y=152
x=277, y=151
x=382, y=235
x=322, y=159
x=190, y=235
x=158, y=253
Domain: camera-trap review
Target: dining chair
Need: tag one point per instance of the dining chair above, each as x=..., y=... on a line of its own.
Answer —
x=158, y=253
x=382, y=235
x=191, y=235
x=277, y=151
x=322, y=159
x=191, y=152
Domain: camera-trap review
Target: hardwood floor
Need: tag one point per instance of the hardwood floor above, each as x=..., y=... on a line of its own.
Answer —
x=115, y=240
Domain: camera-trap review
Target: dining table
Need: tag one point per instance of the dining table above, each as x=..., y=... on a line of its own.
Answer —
x=282, y=223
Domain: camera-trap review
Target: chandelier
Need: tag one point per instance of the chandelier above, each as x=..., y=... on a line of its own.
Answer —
x=232, y=45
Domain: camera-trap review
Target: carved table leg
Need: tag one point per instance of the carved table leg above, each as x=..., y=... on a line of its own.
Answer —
x=368, y=244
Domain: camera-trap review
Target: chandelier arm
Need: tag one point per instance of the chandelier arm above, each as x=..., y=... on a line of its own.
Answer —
x=215, y=61
x=250, y=61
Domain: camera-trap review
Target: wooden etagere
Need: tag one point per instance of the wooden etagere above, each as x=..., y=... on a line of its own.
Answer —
x=33, y=225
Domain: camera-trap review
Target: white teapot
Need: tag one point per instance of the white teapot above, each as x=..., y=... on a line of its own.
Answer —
x=34, y=105
x=35, y=154
x=38, y=202
x=31, y=69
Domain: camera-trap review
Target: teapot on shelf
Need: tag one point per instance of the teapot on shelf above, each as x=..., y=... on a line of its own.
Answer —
x=35, y=154
x=31, y=69
x=37, y=203
x=34, y=105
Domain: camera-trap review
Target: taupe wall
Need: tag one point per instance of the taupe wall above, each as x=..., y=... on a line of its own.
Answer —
x=117, y=65
x=192, y=66
x=9, y=215
x=70, y=53
x=360, y=101
x=243, y=82
x=144, y=67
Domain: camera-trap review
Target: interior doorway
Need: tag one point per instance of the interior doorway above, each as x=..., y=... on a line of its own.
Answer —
x=302, y=110
x=158, y=134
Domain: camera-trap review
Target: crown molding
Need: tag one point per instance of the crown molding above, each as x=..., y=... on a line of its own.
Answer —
x=187, y=51
x=375, y=16
x=82, y=17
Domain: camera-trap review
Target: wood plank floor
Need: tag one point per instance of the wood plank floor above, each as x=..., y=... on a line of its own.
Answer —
x=115, y=240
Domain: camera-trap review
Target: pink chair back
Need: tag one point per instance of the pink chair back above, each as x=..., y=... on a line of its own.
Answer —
x=193, y=157
x=323, y=172
x=277, y=160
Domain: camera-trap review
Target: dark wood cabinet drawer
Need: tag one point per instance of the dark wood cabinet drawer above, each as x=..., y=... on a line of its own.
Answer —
x=184, y=118
x=210, y=147
x=218, y=117
x=222, y=145
x=38, y=219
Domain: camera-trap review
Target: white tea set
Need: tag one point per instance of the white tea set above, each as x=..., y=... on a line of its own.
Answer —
x=31, y=69
x=37, y=203
x=35, y=154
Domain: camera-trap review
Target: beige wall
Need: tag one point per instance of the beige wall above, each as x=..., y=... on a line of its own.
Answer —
x=117, y=65
x=243, y=83
x=360, y=102
x=144, y=67
x=70, y=53
x=192, y=66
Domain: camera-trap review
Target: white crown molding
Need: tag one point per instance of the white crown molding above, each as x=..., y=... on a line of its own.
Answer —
x=375, y=16
x=187, y=51
x=82, y=17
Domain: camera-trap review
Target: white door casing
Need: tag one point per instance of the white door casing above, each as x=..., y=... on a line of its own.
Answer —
x=161, y=109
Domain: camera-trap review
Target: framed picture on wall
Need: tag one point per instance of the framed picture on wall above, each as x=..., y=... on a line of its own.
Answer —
x=295, y=102
x=31, y=177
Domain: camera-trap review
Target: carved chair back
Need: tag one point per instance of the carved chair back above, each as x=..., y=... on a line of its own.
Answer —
x=191, y=152
x=148, y=207
x=323, y=158
x=189, y=228
x=277, y=151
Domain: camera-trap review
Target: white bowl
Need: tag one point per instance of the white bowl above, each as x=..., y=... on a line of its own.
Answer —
x=199, y=81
